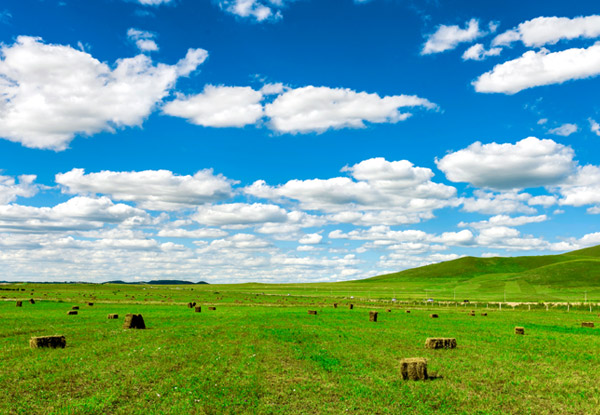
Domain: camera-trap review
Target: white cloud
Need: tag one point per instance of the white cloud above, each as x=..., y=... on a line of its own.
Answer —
x=143, y=40
x=10, y=189
x=504, y=221
x=78, y=213
x=497, y=203
x=317, y=109
x=311, y=239
x=154, y=2
x=564, y=130
x=203, y=233
x=50, y=93
x=582, y=188
x=594, y=127
x=549, y=30
x=540, y=68
x=477, y=52
x=150, y=189
x=542, y=200
x=219, y=106
x=258, y=10
x=448, y=37
x=530, y=162
x=239, y=214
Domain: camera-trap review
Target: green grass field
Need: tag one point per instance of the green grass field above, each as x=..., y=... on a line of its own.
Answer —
x=261, y=353
x=264, y=354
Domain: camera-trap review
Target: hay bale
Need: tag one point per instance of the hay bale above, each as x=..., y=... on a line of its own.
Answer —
x=414, y=368
x=519, y=330
x=31, y=301
x=334, y=305
x=212, y=308
x=19, y=303
x=440, y=343
x=134, y=321
x=72, y=312
x=48, y=341
x=198, y=309
x=75, y=307
x=90, y=304
x=312, y=312
x=433, y=316
x=373, y=316
x=350, y=306
x=113, y=316
x=587, y=324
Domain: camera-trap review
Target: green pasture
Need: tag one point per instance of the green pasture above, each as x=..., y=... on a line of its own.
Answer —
x=263, y=354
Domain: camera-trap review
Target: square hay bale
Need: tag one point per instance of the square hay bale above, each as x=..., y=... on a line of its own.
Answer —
x=587, y=324
x=350, y=306
x=113, y=316
x=212, y=308
x=19, y=303
x=440, y=343
x=373, y=316
x=75, y=307
x=48, y=341
x=134, y=321
x=433, y=316
x=519, y=330
x=312, y=312
x=198, y=309
x=72, y=312
x=414, y=368
x=31, y=301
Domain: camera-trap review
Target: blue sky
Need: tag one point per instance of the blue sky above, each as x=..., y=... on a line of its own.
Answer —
x=293, y=141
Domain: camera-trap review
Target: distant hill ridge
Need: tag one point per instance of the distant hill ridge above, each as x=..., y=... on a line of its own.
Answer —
x=571, y=269
x=157, y=282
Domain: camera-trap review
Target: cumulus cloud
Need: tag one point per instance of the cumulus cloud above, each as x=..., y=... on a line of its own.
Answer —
x=10, y=189
x=154, y=2
x=317, y=109
x=239, y=214
x=143, y=40
x=150, y=189
x=549, y=30
x=530, y=162
x=379, y=189
x=50, y=93
x=78, y=213
x=477, y=52
x=537, y=68
x=202, y=233
x=448, y=37
x=594, y=127
x=504, y=221
x=311, y=239
x=582, y=188
x=219, y=106
x=564, y=130
x=257, y=10
x=497, y=203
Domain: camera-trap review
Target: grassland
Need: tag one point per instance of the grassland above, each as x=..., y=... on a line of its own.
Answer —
x=261, y=353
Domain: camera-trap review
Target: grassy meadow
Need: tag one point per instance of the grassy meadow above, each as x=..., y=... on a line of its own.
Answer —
x=261, y=353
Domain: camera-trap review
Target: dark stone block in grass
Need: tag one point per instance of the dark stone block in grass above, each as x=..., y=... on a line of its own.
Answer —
x=389, y=310
x=519, y=330
x=433, y=316
x=113, y=316
x=407, y=311
x=312, y=312
x=484, y=314
x=90, y=304
x=587, y=324
x=440, y=343
x=198, y=309
x=212, y=308
x=334, y=305
x=48, y=341
x=414, y=368
x=19, y=303
x=134, y=321
x=191, y=305
x=350, y=306
x=75, y=307
x=72, y=312
x=373, y=316
x=31, y=301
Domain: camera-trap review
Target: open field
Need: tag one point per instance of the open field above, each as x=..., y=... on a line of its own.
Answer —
x=265, y=354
